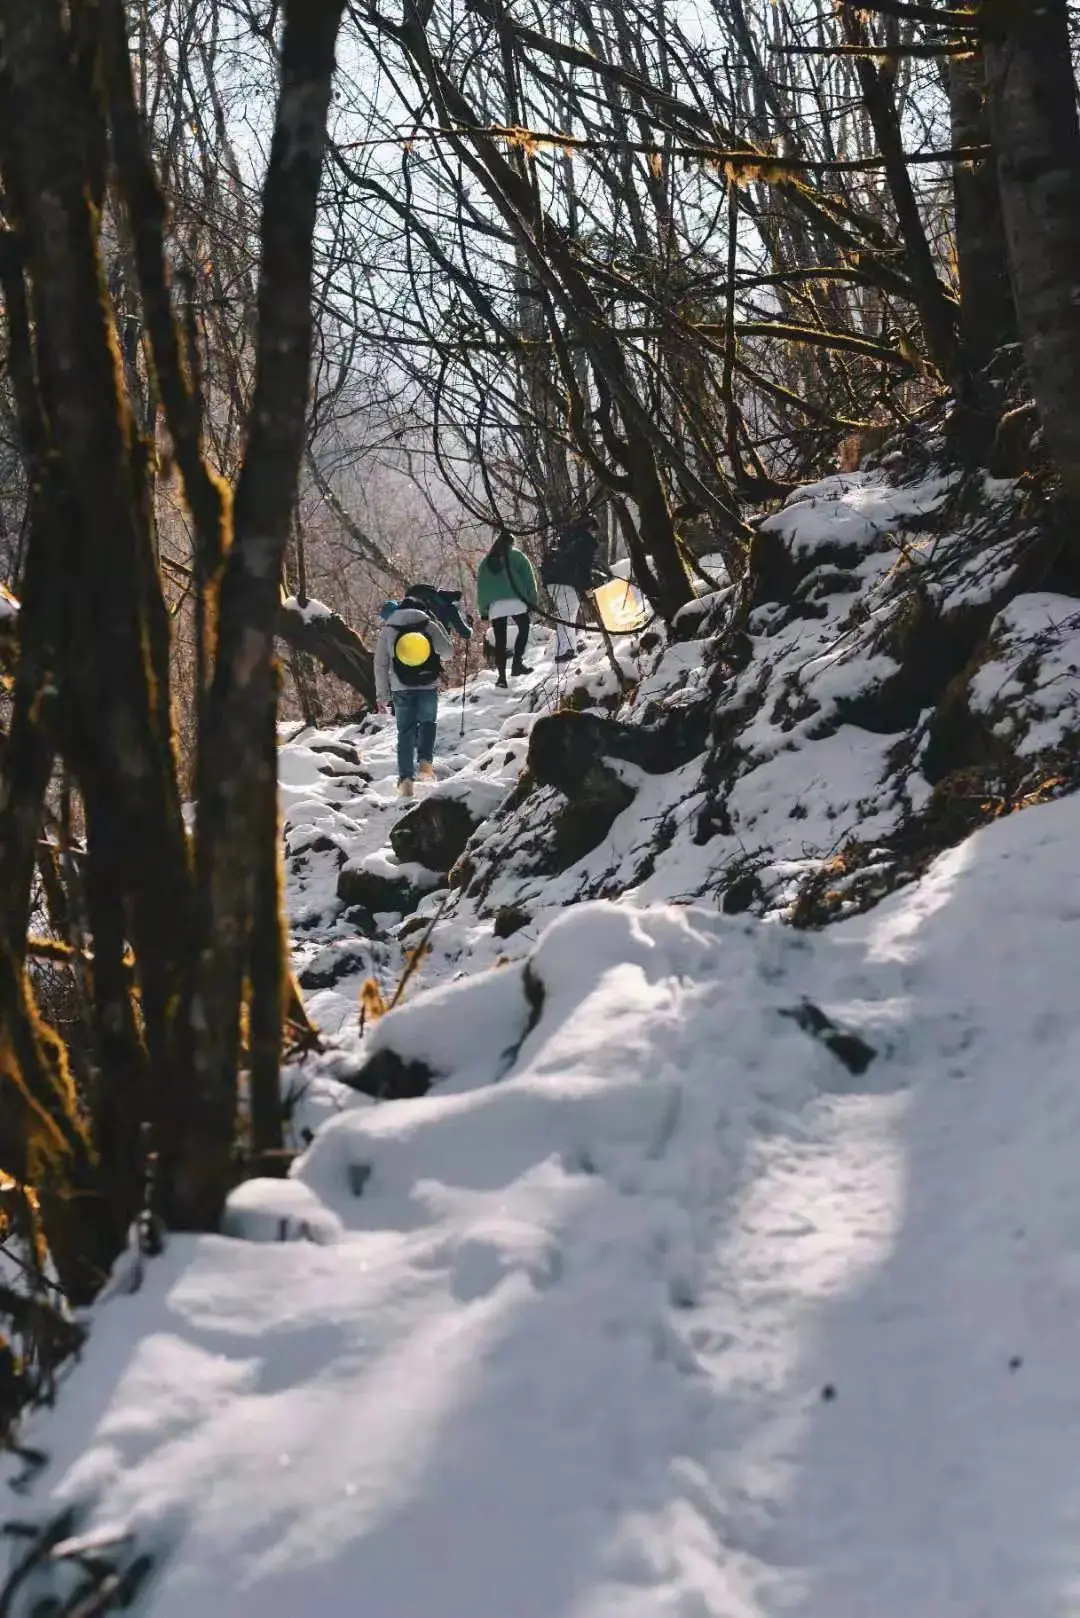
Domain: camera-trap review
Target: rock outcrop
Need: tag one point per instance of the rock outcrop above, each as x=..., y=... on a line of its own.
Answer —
x=434, y=834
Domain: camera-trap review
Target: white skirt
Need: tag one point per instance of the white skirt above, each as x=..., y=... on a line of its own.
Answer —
x=508, y=607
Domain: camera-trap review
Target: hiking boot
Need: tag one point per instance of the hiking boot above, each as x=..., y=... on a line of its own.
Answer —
x=565, y=657
x=425, y=772
x=502, y=684
x=404, y=789
x=521, y=668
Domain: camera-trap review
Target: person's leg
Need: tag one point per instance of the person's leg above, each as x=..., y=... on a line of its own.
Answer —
x=521, y=623
x=565, y=600
x=562, y=613
x=405, y=713
x=427, y=713
x=498, y=630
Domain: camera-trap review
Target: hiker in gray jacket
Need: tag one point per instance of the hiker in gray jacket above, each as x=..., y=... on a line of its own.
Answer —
x=408, y=666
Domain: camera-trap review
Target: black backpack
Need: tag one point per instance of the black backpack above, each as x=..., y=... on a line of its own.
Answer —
x=425, y=672
x=551, y=555
x=568, y=558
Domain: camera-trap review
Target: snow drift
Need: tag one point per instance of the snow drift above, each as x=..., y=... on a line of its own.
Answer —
x=751, y=1287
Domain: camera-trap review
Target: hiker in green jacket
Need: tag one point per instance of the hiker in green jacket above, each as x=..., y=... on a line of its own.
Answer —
x=505, y=589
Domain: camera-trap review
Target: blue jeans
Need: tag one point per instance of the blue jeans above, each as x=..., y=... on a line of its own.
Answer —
x=415, y=712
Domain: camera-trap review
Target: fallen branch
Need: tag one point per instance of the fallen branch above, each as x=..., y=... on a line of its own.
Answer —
x=317, y=630
x=328, y=638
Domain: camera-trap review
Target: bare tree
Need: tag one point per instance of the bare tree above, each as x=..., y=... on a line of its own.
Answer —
x=93, y=679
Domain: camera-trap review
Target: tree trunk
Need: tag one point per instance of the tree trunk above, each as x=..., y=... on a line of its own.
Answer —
x=937, y=312
x=544, y=457
x=30, y=749
x=173, y=944
x=1032, y=102
x=987, y=310
x=91, y=627
x=112, y=713
x=43, y=1142
x=235, y=775
x=121, y=1096
x=267, y=974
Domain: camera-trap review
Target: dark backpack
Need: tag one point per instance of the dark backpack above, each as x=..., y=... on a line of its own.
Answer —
x=570, y=558
x=412, y=672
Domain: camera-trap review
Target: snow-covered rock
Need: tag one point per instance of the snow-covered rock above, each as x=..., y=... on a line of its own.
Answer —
x=434, y=834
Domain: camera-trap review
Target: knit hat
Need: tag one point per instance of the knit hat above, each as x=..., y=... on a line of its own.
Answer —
x=388, y=609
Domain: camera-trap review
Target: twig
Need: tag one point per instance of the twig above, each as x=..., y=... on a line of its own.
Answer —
x=417, y=954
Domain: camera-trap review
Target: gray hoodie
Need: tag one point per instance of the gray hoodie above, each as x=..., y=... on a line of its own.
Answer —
x=386, y=681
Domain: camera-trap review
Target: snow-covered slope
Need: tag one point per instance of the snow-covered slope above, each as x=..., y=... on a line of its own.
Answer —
x=728, y=1269
x=894, y=682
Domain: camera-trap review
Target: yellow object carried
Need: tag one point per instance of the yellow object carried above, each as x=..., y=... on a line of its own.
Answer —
x=621, y=606
x=413, y=649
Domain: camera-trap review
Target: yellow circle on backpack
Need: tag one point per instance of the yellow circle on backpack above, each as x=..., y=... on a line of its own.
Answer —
x=413, y=649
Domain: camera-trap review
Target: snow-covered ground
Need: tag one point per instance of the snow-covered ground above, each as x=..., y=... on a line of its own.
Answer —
x=340, y=803
x=686, y=1314
x=726, y=1271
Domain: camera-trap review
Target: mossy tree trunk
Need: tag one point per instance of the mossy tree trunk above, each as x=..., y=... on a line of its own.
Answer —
x=91, y=628
x=236, y=776
x=172, y=918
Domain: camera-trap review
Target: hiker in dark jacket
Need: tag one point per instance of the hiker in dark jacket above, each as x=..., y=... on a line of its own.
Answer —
x=568, y=572
x=505, y=589
x=408, y=664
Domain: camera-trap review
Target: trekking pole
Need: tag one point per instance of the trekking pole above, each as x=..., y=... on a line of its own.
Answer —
x=464, y=683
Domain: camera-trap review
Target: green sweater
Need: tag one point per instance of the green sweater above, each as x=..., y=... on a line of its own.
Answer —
x=492, y=584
